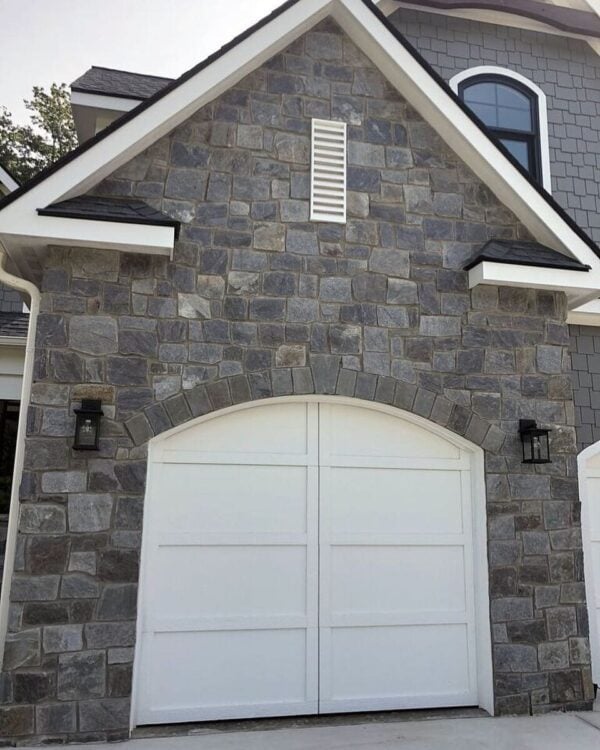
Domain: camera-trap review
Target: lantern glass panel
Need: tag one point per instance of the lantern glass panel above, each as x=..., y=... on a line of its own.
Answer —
x=87, y=430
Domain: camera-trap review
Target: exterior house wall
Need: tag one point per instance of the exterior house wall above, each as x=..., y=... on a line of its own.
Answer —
x=259, y=302
x=10, y=300
x=567, y=70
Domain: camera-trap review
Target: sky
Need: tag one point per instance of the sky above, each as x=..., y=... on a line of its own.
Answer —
x=55, y=41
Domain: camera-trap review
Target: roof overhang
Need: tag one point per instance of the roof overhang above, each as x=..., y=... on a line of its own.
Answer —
x=585, y=315
x=402, y=66
x=106, y=235
x=92, y=112
x=576, y=284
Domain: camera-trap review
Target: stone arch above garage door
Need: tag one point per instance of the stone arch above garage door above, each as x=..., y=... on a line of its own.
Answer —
x=261, y=487
x=323, y=376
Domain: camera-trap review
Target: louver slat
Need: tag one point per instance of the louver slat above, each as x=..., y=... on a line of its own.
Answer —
x=328, y=171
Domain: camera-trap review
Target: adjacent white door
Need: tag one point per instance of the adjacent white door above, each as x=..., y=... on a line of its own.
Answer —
x=305, y=557
x=589, y=489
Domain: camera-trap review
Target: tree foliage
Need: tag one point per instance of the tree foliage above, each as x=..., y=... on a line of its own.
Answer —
x=26, y=149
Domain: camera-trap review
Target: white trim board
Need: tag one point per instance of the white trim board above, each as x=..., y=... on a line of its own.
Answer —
x=578, y=285
x=394, y=60
x=496, y=70
x=9, y=183
x=585, y=315
x=103, y=101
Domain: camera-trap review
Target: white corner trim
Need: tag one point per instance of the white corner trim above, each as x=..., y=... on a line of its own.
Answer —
x=109, y=235
x=542, y=108
x=103, y=101
x=7, y=180
x=586, y=315
x=573, y=283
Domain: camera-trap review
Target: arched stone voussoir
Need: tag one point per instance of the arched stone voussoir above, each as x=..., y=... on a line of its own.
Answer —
x=322, y=376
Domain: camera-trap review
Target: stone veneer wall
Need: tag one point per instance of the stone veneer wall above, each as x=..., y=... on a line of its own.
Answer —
x=258, y=302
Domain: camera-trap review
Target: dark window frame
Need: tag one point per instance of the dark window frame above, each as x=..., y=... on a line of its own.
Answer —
x=9, y=422
x=531, y=138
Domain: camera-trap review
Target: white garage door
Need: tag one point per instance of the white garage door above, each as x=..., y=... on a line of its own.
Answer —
x=589, y=487
x=302, y=558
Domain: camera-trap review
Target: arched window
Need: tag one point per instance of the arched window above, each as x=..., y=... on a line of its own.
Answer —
x=514, y=110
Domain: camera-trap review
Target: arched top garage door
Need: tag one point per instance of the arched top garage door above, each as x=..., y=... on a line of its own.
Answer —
x=305, y=556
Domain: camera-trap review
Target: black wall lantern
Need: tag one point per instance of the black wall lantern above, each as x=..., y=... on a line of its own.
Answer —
x=87, y=425
x=536, y=446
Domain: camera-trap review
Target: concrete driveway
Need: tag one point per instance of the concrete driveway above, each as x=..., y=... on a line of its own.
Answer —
x=553, y=732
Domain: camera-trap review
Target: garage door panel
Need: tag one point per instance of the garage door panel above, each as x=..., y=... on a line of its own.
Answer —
x=217, y=667
x=305, y=557
x=352, y=431
x=401, y=501
x=271, y=429
x=382, y=579
x=414, y=662
x=249, y=581
x=257, y=499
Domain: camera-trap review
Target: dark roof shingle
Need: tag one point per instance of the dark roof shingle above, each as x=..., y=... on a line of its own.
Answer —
x=524, y=254
x=128, y=211
x=119, y=83
x=14, y=324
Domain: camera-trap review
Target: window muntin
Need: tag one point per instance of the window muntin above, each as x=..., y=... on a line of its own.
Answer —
x=510, y=111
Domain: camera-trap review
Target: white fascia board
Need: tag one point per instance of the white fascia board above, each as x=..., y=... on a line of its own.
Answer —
x=574, y=283
x=386, y=52
x=586, y=315
x=103, y=102
x=110, y=235
x=7, y=180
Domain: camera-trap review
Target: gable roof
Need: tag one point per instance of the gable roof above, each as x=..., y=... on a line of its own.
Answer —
x=119, y=83
x=428, y=93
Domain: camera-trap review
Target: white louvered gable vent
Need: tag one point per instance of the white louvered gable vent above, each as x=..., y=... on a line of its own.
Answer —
x=328, y=171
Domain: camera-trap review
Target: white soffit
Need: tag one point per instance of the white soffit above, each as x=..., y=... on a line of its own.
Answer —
x=585, y=315
x=378, y=42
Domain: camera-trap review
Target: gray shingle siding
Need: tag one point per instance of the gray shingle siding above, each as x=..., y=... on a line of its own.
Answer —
x=585, y=362
x=567, y=70
x=10, y=300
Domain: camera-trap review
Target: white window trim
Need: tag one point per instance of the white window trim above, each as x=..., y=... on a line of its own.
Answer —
x=542, y=108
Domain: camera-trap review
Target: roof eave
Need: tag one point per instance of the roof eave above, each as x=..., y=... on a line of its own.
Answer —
x=123, y=236
x=575, y=284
